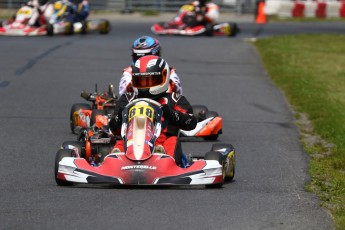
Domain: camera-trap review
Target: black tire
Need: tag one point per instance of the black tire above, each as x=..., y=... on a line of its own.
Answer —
x=199, y=112
x=50, y=29
x=213, y=155
x=83, y=27
x=95, y=113
x=59, y=155
x=69, y=28
x=230, y=148
x=75, y=108
x=80, y=146
x=208, y=115
x=234, y=30
x=209, y=30
x=104, y=27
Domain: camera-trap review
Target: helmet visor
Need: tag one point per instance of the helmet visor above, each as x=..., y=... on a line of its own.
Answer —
x=147, y=80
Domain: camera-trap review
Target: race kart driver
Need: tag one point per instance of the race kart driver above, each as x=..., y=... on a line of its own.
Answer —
x=205, y=12
x=78, y=10
x=43, y=10
x=150, y=79
x=143, y=46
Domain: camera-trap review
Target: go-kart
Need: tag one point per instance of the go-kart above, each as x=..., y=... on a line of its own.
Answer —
x=142, y=163
x=185, y=23
x=18, y=24
x=94, y=143
x=59, y=25
x=83, y=115
x=209, y=124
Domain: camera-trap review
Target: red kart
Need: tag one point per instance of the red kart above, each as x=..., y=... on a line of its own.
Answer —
x=142, y=163
x=83, y=115
x=184, y=24
x=18, y=24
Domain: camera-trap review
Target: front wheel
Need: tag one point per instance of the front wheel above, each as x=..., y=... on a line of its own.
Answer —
x=77, y=146
x=59, y=156
x=228, y=153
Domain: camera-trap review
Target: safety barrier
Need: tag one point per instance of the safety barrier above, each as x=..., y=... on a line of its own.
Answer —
x=307, y=8
x=239, y=6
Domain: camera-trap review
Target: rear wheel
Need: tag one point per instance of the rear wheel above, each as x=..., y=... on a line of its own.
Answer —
x=208, y=115
x=104, y=27
x=233, y=29
x=59, y=155
x=75, y=108
x=213, y=155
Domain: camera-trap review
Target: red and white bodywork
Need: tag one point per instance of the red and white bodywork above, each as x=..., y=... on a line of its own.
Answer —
x=177, y=25
x=140, y=164
x=20, y=27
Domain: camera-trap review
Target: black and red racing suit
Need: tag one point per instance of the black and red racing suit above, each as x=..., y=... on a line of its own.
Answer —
x=180, y=117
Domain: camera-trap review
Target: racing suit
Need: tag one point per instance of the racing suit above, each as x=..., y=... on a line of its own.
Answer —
x=177, y=114
x=41, y=14
x=206, y=14
x=126, y=82
x=78, y=12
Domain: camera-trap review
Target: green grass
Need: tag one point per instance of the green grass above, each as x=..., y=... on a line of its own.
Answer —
x=310, y=69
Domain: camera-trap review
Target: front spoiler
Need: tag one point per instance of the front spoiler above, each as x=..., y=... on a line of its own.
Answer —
x=159, y=169
x=21, y=32
x=160, y=30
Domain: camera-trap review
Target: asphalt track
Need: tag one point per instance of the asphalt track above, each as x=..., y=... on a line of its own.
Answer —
x=41, y=77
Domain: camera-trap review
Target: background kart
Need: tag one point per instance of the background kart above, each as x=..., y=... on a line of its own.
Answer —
x=18, y=24
x=84, y=115
x=59, y=25
x=142, y=163
x=187, y=16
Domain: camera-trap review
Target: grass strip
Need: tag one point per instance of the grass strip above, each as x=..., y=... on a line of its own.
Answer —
x=310, y=69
